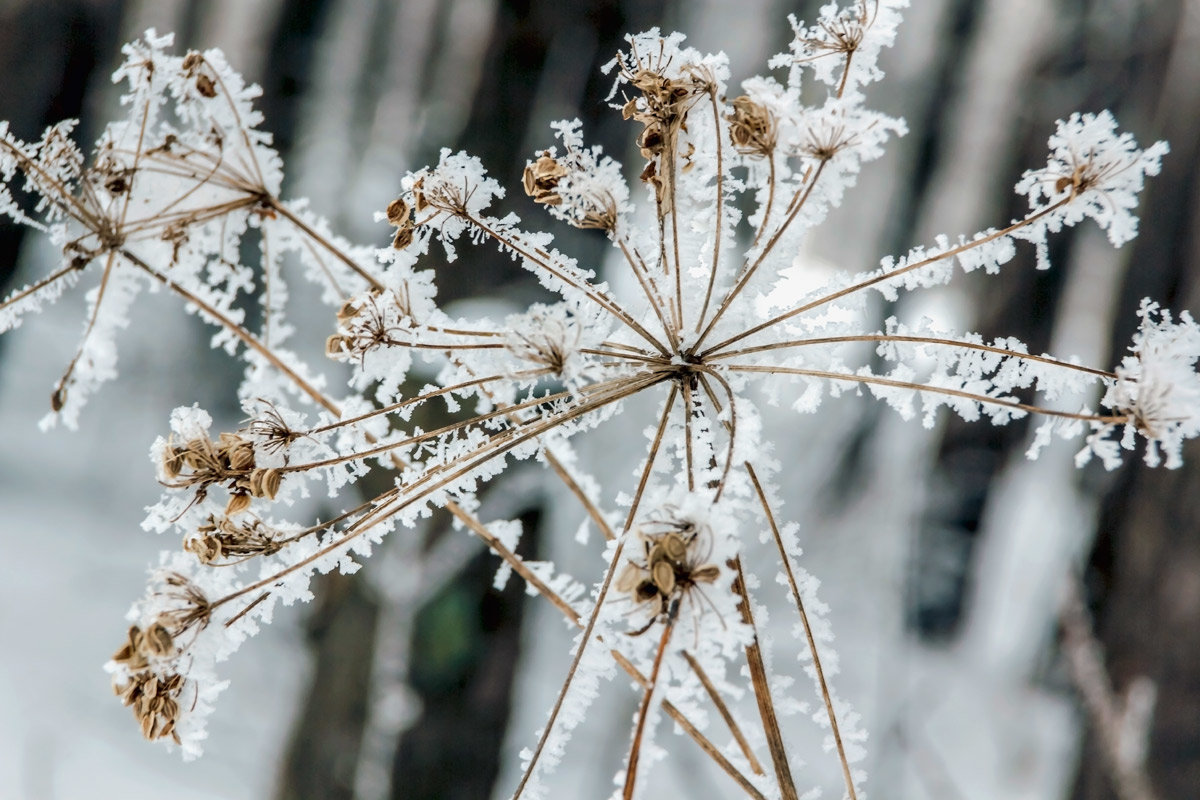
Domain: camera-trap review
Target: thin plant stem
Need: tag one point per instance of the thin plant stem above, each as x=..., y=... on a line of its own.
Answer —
x=885, y=276
x=762, y=692
x=691, y=730
x=881, y=337
x=720, y=200
x=747, y=273
x=1112, y=419
x=826, y=696
x=605, y=301
x=635, y=749
x=601, y=595
x=725, y=713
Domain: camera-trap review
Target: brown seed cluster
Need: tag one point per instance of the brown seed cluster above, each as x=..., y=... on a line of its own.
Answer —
x=194, y=66
x=400, y=216
x=662, y=109
x=229, y=461
x=153, y=697
x=671, y=569
x=541, y=180
x=751, y=127
x=379, y=320
x=221, y=538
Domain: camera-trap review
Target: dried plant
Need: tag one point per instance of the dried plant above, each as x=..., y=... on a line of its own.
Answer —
x=706, y=315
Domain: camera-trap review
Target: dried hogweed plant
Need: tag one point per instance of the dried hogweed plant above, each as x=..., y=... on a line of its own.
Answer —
x=705, y=318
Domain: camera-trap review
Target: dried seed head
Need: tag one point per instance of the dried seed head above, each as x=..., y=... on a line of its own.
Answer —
x=205, y=86
x=398, y=212
x=206, y=548
x=221, y=538
x=238, y=502
x=265, y=482
x=419, y=195
x=541, y=180
x=192, y=61
x=672, y=569
x=337, y=345
x=751, y=127
x=155, y=702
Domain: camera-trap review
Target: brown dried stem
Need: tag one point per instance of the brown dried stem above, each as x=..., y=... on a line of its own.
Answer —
x=880, y=337
x=786, y=560
x=762, y=691
x=726, y=714
x=1112, y=419
x=885, y=276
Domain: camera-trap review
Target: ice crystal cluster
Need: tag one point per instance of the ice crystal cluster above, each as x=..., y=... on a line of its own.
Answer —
x=711, y=318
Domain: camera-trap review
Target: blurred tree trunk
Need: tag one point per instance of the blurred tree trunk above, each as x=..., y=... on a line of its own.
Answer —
x=1141, y=61
x=1144, y=572
x=48, y=55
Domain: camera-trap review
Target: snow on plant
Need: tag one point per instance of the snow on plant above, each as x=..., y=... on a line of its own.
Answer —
x=709, y=327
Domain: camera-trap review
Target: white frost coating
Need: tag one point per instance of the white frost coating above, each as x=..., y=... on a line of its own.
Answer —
x=1157, y=392
x=705, y=327
x=1101, y=170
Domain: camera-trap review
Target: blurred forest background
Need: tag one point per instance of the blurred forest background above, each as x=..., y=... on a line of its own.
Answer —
x=418, y=680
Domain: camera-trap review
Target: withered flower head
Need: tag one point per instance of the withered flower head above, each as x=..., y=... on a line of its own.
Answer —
x=673, y=566
x=154, y=700
x=399, y=215
x=541, y=179
x=751, y=127
x=222, y=537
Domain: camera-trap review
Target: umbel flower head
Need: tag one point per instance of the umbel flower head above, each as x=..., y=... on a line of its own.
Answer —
x=706, y=322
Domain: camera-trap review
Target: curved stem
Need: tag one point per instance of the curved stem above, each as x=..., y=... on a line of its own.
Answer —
x=785, y=559
x=885, y=276
x=606, y=302
x=716, y=259
x=798, y=202
x=1114, y=419
x=880, y=337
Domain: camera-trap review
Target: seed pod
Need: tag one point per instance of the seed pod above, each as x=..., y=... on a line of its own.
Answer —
x=205, y=86
x=706, y=574
x=238, y=502
x=674, y=546
x=627, y=581
x=241, y=456
x=398, y=212
x=157, y=641
x=172, y=461
x=419, y=195
x=336, y=345
x=664, y=577
x=265, y=482
x=403, y=237
x=646, y=590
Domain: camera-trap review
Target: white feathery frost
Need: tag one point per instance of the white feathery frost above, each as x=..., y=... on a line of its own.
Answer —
x=713, y=321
